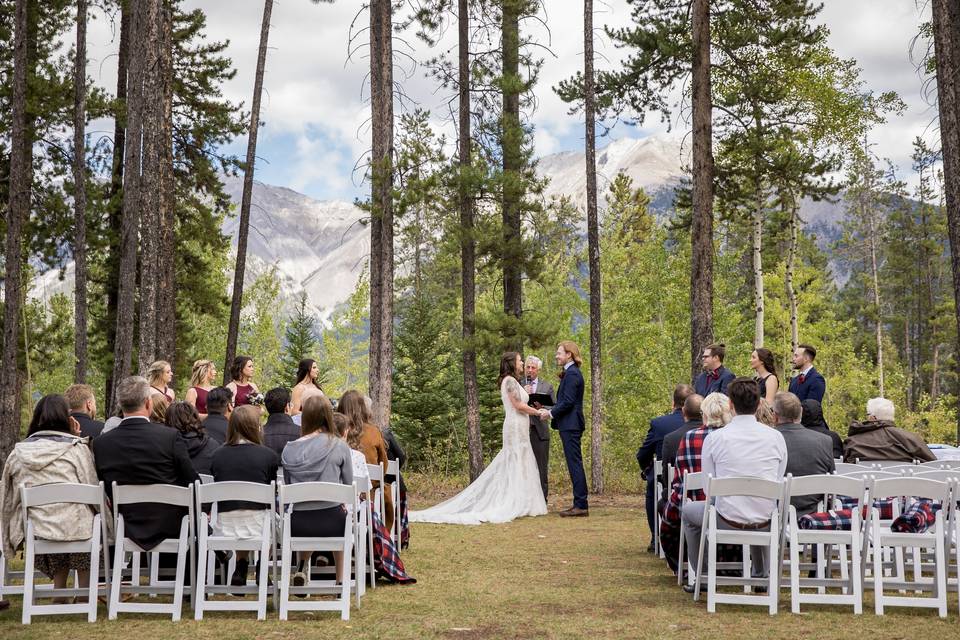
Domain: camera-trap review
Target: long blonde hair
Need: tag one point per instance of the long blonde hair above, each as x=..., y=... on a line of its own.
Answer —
x=155, y=373
x=198, y=375
x=571, y=347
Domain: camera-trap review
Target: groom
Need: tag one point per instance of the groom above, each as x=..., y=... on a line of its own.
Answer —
x=567, y=416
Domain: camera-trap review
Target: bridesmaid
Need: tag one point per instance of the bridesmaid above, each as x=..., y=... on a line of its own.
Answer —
x=306, y=387
x=761, y=361
x=241, y=382
x=160, y=375
x=201, y=382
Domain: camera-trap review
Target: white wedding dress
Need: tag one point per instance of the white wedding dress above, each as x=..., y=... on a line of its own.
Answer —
x=507, y=489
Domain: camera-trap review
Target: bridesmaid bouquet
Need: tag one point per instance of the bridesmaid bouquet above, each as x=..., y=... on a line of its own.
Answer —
x=256, y=399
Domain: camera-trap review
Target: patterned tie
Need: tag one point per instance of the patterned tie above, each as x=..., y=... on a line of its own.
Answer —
x=714, y=375
x=803, y=378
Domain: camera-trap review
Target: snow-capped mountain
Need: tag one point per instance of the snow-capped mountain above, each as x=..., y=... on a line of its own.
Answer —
x=321, y=247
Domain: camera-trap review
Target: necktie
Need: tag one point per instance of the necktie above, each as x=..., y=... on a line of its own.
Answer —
x=715, y=375
x=562, y=373
x=803, y=378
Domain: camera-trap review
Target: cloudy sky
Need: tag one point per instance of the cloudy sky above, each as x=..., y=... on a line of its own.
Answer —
x=314, y=108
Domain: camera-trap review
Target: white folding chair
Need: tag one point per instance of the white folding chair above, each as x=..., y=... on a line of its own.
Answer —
x=851, y=576
x=366, y=540
x=181, y=546
x=843, y=468
x=205, y=478
x=693, y=481
x=947, y=464
x=882, y=464
x=50, y=494
x=210, y=543
x=933, y=465
x=375, y=496
x=883, y=537
x=657, y=490
x=291, y=495
x=393, y=469
x=711, y=535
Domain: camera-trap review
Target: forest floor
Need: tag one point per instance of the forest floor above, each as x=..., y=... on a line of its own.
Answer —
x=543, y=577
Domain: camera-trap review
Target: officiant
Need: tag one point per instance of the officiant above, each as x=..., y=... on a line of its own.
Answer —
x=539, y=430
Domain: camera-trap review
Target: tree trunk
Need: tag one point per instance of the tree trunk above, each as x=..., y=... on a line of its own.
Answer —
x=80, y=196
x=114, y=200
x=150, y=188
x=468, y=246
x=512, y=149
x=593, y=251
x=875, y=281
x=908, y=351
x=946, y=37
x=935, y=375
x=381, y=249
x=236, y=304
x=18, y=211
x=791, y=266
x=701, y=226
x=166, y=253
x=758, y=269
x=133, y=143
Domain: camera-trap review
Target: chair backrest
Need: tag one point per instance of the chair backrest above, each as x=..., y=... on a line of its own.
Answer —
x=948, y=464
x=693, y=481
x=205, y=478
x=375, y=472
x=941, y=475
x=246, y=491
x=882, y=464
x=935, y=464
x=393, y=468
x=315, y=492
x=154, y=493
x=843, y=468
x=826, y=485
x=38, y=496
x=911, y=487
x=657, y=468
x=744, y=486
x=872, y=474
x=902, y=469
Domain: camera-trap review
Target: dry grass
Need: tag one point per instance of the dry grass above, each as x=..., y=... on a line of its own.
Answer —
x=541, y=577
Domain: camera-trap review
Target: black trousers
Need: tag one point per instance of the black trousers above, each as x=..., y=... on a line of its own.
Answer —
x=541, y=451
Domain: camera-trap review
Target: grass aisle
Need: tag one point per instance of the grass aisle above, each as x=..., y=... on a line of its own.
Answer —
x=543, y=577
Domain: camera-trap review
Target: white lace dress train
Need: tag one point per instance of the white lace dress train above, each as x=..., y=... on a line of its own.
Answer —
x=509, y=487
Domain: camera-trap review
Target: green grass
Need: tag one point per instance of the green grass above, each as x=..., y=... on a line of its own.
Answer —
x=543, y=577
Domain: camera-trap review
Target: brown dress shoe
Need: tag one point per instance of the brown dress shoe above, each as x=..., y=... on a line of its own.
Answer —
x=574, y=512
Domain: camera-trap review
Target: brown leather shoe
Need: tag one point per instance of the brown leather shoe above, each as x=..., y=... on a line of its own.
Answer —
x=574, y=512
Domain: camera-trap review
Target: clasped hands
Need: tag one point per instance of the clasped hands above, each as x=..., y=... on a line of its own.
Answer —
x=543, y=414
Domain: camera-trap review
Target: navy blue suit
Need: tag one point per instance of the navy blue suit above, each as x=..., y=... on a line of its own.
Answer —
x=813, y=387
x=705, y=384
x=568, y=420
x=653, y=445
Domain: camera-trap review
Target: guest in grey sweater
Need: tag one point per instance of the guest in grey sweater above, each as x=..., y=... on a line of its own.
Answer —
x=317, y=456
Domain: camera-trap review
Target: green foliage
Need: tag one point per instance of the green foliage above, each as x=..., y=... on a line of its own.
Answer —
x=301, y=341
x=262, y=329
x=344, y=343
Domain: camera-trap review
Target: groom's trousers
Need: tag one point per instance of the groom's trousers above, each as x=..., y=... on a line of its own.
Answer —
x=574, y=456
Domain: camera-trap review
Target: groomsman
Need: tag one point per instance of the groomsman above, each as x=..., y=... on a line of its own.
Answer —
x=539, y=430
x=809, y=385
x=715, y=376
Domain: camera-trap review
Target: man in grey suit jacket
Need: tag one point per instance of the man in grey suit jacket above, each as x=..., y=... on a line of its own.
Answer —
x=808, y=452
x=539, y=431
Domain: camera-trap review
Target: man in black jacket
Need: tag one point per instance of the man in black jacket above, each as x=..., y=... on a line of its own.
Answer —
x=280, y=427
x=219, y=408
x=671, y=442
x=139, y=452
x=83, y=409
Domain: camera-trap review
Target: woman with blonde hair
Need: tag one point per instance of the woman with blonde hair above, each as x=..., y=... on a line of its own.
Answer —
x=160, y=375
x=158, y=413
x=202, y=378
x=365, y=437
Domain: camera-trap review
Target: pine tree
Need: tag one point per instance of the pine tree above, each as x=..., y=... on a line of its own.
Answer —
x=301, y=341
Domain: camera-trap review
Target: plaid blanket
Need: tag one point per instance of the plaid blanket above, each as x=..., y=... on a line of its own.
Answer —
x=885, y=506
x=386, y=558
x=916, y=518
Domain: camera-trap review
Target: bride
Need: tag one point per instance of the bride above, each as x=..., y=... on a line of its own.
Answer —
x=510, y=487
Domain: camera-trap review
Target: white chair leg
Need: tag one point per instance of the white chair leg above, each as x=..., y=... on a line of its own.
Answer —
x=680, y=565
x=794, y=575
x=711, y=575
x=28, y=569
x=856, y=577
x=877, y=573
x=117, y=575
x=745, y=566
x=285, y=560
x=94, y=571
x=202, y=565
x=941, y=575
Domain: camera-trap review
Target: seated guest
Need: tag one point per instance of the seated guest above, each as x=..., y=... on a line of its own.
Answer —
x=653, y=448
x=812, y=419
x=359, y=460
x=317, y=456
x=140, y=452
x=52, y=452
x=715, y=413
x=764, y=413
x=876, y=438
x=219, y=406
x=243, y=458
x=395, y=452
x=808, y=453
x=83, y=409
x=715, y=376
x=671, y=442
x=366, y=438
x=280, y=427
x=158, y=415
x=742, y=448
x=183, y=417
x=808, y=384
